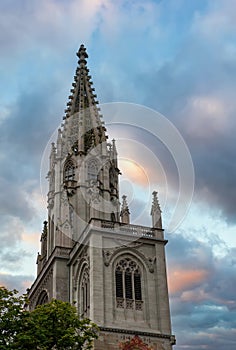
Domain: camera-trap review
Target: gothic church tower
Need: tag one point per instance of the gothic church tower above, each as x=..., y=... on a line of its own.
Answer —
x=112, y=271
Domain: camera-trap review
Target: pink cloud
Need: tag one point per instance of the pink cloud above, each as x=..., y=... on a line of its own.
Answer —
x=27, y=284
x=31, y=238
x=182, y=280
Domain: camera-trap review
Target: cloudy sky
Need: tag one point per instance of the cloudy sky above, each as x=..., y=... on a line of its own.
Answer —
x=176, y=57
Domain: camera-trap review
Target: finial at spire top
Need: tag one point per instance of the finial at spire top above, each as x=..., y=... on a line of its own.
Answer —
x=82, y=54
x=154, y=193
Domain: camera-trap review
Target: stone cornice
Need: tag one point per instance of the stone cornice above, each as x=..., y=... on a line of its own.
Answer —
x=121, y=231
x=140, y=333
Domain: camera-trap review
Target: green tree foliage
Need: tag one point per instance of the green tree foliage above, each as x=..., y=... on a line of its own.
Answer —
x=55, y=325
x=11, y=317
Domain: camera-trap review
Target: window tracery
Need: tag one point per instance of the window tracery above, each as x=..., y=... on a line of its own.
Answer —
x=128, y=284
x=69, y=171
x=92, y=170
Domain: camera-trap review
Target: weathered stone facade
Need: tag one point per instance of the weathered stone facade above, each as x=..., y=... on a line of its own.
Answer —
x=112, y=271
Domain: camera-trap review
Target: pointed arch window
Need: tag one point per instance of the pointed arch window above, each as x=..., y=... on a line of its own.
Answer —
x=113, y=217
x=112, y=177
x=128, y=284
x=69, y=171
x=85, y=293
x=43, y=298
x=92, y=170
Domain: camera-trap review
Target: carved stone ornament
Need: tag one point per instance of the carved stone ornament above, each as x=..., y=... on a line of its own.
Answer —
x=50, y=203
x=132, y=244
x=94, y=193
x=70, y=192
x=64, y=198
x=151, y=263
x=135, y=343
x=109, y=253
x=107, y=256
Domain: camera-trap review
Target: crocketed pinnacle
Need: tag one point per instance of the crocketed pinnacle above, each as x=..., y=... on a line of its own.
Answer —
x=156, y=212
x=125, y=214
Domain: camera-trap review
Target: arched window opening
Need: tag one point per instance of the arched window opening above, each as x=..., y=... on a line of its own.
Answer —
x=51, y=233
x=128, y=285
x=43, y=298
x=113, y=180
x=93, y=171
x=69, y=171
x=85, y=293
x=113, y=217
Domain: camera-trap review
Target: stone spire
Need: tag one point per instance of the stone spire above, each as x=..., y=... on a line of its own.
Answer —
x=83, y=128
x=156, y=212
x=125, y=214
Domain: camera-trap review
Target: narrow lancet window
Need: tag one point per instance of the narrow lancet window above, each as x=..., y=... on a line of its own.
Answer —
x=119, y=284
x=85, y=293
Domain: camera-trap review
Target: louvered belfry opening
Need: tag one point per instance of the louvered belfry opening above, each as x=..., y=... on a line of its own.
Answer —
x=137, y=286
x=119, y=284
x=128, y=284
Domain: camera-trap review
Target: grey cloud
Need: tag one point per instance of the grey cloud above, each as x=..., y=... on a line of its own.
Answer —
x=198, y=254
x=12, y=258
x=202, y=67
x=17, y=282
x=169, y=89
x=13, y=200
x=30, y=124
x=224, y=339
x=11, y=231
x=25, y=132
x=223, y=281
x=209, y=307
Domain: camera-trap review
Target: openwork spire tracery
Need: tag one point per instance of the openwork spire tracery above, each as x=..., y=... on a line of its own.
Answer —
x=83, y=128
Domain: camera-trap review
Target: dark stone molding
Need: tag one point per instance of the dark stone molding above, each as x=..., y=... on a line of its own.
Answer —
x=140, y=333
